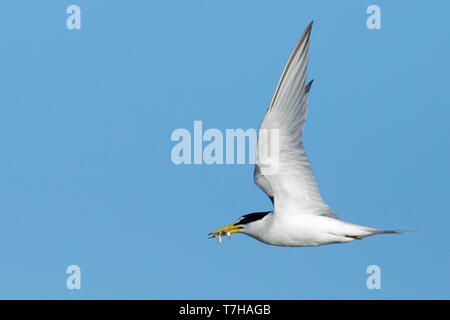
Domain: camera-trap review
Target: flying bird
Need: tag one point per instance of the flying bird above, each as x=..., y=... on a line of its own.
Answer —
x=299, y=217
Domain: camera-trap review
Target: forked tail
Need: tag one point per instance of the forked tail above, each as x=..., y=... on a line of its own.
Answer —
x=360, y=232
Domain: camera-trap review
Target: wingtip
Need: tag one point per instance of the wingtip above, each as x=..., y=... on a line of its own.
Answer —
x=307, y=32
x=308, y=86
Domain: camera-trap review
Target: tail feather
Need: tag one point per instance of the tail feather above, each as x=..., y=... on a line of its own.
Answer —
x=352, y=231
x=367, y=232
x=356, y=231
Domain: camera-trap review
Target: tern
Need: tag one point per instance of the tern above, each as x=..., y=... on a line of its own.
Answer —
x=300, y=217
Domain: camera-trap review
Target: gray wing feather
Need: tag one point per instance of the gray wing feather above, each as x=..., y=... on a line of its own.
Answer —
x=293, y=182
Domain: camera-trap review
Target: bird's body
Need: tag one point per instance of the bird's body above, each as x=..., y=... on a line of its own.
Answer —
x=293, y=230
x=300, y=216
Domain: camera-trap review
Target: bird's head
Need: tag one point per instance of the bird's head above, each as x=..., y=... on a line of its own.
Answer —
x=246, y=224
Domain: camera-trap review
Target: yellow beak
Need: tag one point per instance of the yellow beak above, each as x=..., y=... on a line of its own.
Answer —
x=232, y=228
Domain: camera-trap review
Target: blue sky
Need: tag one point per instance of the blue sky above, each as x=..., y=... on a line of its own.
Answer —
x=86, y=176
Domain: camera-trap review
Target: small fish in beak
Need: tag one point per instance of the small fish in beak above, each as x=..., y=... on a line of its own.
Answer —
x=226, y=231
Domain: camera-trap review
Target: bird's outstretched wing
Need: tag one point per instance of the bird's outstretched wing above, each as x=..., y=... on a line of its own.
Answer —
x=282, y=168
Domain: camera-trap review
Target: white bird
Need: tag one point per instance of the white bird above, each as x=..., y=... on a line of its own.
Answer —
x=300, y=217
